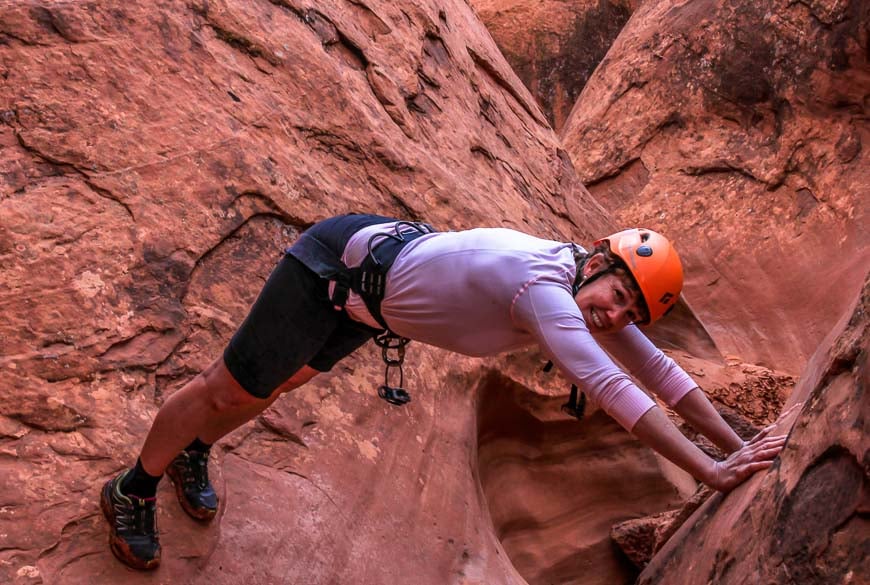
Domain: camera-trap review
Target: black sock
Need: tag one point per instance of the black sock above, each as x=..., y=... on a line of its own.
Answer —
x=140, y=483
x=198, y=446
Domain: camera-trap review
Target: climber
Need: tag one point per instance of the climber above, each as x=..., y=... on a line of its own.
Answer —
x=477, y=292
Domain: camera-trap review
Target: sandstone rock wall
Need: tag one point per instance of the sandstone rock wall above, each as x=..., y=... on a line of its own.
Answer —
x=554, y=45
x=806, y=520
x=739, y=129
x=554, y=485
x=156, y=158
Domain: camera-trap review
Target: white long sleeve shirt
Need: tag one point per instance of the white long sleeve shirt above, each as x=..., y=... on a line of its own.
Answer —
x=485, y=291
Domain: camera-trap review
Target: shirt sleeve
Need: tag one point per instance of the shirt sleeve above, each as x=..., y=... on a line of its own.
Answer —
x=649, y=364
x=548, y=312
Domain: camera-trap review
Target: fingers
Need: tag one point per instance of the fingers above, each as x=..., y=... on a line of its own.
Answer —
x=764, y=450
x=761, y=434
x=768, y=443
x=728, y=475
x=763, y=437
x=748, y=469
x=767, y=454
x=769, y=440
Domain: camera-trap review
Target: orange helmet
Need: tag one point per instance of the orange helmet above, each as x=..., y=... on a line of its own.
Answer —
x=653, y=263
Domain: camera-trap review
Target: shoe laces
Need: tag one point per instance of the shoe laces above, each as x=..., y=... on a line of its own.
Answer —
x=197, y=469
x=136, y=515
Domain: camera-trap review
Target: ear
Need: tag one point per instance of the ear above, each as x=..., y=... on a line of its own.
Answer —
x=595, y=263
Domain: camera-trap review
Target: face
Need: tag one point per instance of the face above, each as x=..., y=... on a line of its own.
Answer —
x=608, y=303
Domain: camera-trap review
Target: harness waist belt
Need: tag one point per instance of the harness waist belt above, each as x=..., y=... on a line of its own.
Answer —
x=321, y=247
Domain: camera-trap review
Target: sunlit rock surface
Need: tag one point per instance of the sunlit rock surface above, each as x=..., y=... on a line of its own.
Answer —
x=739, y=129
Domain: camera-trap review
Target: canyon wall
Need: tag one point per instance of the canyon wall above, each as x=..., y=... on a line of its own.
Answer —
x=554, y=45
x=157, y=158
x=739, y=130
x=807, y=520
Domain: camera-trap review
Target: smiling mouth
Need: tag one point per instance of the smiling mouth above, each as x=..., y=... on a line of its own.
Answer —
x=596, y=320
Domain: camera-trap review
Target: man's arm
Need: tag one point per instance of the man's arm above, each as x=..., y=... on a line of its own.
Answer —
x=655, y=430
x=696, y=410
x=666, y=378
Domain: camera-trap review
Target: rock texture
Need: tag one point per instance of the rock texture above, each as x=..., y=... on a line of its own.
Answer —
x=554, y=493
x=554, y=45
x=157, y=157
x=739, y=129
x=641, y=538
x=806, y=520
x=553, y=484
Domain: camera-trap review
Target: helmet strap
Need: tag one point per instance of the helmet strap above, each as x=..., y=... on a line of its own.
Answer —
x=579, y=279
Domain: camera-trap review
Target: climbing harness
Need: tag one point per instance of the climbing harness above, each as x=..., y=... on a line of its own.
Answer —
x=320, y=249
x=369, y=281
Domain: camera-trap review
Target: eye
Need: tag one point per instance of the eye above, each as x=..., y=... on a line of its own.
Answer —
x=620, y=296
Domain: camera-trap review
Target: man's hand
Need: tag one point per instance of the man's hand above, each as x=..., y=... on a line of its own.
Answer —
x=756, y=454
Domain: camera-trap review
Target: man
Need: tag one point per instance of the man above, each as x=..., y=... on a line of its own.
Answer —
x=476, y=292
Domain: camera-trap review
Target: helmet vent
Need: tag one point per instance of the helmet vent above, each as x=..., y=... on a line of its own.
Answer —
x=644, y=236
x=644, y=251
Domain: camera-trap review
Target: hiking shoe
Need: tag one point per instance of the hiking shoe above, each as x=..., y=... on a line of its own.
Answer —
x=189, y=473
x=133, y=525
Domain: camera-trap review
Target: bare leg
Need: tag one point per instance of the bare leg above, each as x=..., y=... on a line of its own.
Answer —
x=208, y=407
x=235, y=419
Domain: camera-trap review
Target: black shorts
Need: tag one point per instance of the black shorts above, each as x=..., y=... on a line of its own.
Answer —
x=293, y=323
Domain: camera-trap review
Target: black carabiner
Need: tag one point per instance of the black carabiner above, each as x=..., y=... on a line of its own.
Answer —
x=388, y=342
x=395, y=396
x=575, y=407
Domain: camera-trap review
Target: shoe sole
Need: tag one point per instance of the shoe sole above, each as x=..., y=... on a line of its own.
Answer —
x=201, y=514
x=119, y=548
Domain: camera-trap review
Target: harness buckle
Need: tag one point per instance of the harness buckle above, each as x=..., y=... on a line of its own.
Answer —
x=340, y=292
x=395, y=396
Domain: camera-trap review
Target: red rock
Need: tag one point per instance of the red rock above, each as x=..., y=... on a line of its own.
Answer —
x=641, y=538
x=803, y=521
x=553, y=45
x=156, y=160
x=736, y=128
x=555, y=486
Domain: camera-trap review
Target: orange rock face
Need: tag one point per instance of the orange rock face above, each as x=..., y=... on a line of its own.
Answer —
x=156, y=160
x=739, y=130
x=554, y=45
x=554, y=486
x=804, y=521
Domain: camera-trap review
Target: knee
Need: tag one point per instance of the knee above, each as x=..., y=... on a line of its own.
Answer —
x=305, y=374
x=221, y=391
